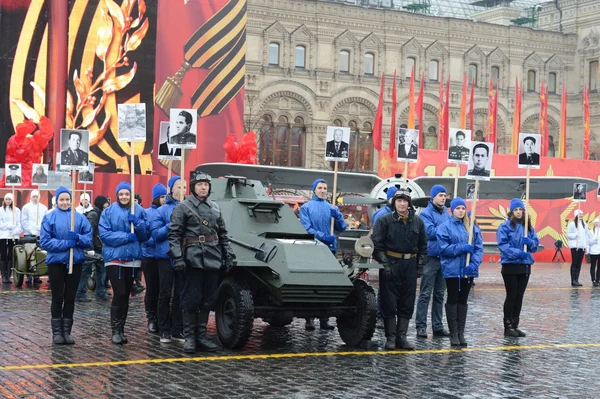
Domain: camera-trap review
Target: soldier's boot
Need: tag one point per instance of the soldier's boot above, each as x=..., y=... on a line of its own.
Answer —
x=461, y=321
x=324, y=324
x=4, y=271
x=152, y=324
x=310, y=324
x=115, y=324
x=515, y=325
x=190, y=322
x=67, y=325
x=451, y=318
x=390, y=333
x=509, y=331
x=57, y=332
x=401, y=330
x=202, y=343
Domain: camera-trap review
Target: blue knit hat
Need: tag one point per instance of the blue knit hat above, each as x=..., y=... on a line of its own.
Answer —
x=61, y=190
x=123, y=186
x=516, y=203
x=457, y=202
x=435, y=190
x=158, y=190
x=172, y=181
x=391, y=191
x=316, y=182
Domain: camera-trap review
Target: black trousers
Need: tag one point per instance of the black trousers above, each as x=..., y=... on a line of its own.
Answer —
x=170, y=317
x=64, y=288
x=200, y=289
x=121, y=279
x=595, y=268
x=150, y=269
x=398, y=292
x=576, y=260
x=6, y=248
x=458, y=290
x=515, y=286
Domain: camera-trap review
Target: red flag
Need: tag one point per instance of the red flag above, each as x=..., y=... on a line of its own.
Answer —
x=411, y=100
x=378, y=124
x=463, y=104
x=562, y=140
x=586, y=124
x=441, y=133
x=516, y=127
x=472, y=107
x=420, y=110
x=495, y=125
x=446, y=115
x=393, y=129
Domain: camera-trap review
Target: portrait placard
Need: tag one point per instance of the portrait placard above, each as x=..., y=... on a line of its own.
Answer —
x=87, y=176
x=459, y=143
x=12, y=174
x=74, y=146
x=408, y=145
x=337, y=143
x=132, y=122
x=580, y=192
x=529, y=150
x=470, y=194
x=183, y=127
x=39, y=174
x=165, y=149
x=480, y=160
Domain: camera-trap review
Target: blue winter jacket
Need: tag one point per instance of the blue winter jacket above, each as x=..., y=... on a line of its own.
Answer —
x=432, y=219
x=159, y=228
x=379, y=213
x=451, y=237
x=510, y=243
x=114, y=227
x=148, y=246
x=53, y=236
x=315, y=216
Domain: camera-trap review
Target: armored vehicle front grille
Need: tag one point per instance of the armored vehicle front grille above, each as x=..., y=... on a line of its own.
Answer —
x=311, y=293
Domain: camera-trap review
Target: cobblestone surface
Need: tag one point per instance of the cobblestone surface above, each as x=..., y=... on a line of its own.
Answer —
x=556, y=360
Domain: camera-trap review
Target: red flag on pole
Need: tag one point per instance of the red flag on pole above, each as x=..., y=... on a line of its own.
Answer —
x=378, y=124
x=562, y=140
x=495, y=125
x=392, y=148
x=586, y=124
x=420, y=110
x=472, y=107
x=463, y=104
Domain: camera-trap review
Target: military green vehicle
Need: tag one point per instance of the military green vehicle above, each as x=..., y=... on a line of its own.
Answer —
x=282, y=272
x=28, y=258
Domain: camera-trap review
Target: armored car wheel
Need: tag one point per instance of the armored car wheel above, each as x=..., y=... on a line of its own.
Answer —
x=18, y=279
x=19, y=265
x=359, y=325
x=234, y=313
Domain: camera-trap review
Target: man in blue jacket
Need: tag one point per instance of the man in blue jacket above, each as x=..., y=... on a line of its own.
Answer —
x=433, y=216
x=315, y=216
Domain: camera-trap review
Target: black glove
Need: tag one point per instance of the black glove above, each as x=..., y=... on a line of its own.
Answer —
x=179, y=265
x=228, y=265
x=386, y=272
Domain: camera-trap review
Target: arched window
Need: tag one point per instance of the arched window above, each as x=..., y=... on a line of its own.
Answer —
x=479, y=136
x=495, y=75
x=300, y=57
x=594, y=75
x=433, y=70
x=409, y=64
x=273, y=53
x=337, y=122
x=552, y=82
x=531, y=80
x=344, y=61
x=282, y=144
x=369, y=64
x=551, y=147
x=431, y=139
x=472, y=74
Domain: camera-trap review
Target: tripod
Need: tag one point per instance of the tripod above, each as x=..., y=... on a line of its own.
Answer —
x=558, y=254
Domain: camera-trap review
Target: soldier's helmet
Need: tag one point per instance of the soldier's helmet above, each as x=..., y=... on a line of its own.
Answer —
x=199, y=176
x=404, y=194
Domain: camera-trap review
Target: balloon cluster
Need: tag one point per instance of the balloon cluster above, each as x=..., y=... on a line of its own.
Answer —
x=241, y=153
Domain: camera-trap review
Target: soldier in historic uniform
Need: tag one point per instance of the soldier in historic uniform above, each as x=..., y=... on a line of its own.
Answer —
x=13, y=178
x=132, y=130
x=73, y=155
x=408, y=149
x=183, y=125
x=481, y=154
x=459, y=152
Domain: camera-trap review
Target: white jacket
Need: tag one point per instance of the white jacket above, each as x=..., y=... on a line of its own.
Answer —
x=82, y=210
x=577, y=237
x=29, y=218
x=8, y=228
x=594, y=242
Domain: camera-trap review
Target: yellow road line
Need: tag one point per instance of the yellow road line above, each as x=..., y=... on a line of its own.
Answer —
x=23, y=291
x=292, y=355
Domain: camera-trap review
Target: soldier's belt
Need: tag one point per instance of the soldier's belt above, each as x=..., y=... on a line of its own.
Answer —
x=398, y=255
x=200, y=239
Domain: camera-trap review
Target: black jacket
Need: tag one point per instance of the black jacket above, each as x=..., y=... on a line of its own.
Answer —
x=210, y=255
x=93, y=217
x=391, y=234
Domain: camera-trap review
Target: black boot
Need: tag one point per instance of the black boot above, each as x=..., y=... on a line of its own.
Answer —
x=509, y=331
x=190, y=323
x=202, y=343
x=310, y=324
x=515, y=325
x=4, y=271
x=390, y=333
x=67, y=325
x=575, y=283
x=152, y=325
x=115, y=324
x=324, y=324
x=57, y=332
x=461, y=320
x=401, y=330
x=124, y=311
x=452, y=319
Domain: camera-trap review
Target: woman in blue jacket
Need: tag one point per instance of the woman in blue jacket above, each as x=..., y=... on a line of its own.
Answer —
x=122, y=253
x=57, y=239
x=516, y=263
x=149, y=261
x=453, y=241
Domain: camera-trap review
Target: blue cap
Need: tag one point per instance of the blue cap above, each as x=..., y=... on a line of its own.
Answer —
x=61, y=190
x=457, y=202
x=123, y=186
x=516, y=203
x=172, y=181
x=316, y=182
x=391, y=191
x=158, y=190
x=438, y=188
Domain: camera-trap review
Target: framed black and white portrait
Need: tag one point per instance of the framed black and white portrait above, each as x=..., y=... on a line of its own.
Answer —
x=87, y=176
x=183, y=127
x=480, y=160
x=580, y=192
x=39, y=174
x=337, y=143
x=12, y=174
x=132, y=122
x=408, y=145
x=459, y=143
x=470, y=194
x=74, y=145
x=529, y=150
x=166, y=150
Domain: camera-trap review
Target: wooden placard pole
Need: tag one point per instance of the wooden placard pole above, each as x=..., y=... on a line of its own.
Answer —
x=334, y=194
x=405, y=174
x=13, y=204
x=169, y=165
x=576, y=226
x=456, y=174
x=73, y=182
x=132, y=170
x=182, y=173
x=526, y=210
x=472, y=219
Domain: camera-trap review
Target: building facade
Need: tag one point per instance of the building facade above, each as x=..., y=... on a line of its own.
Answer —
x=312, y=63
